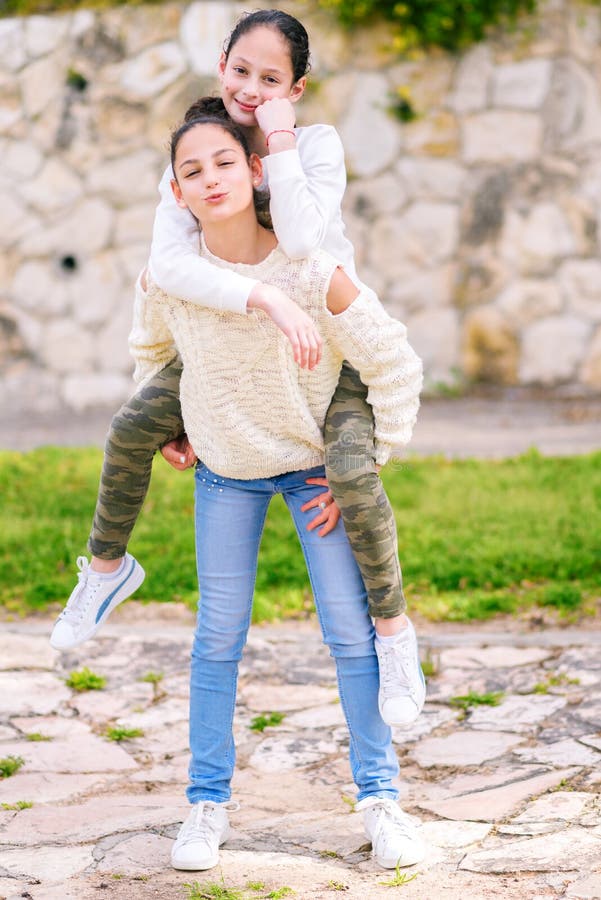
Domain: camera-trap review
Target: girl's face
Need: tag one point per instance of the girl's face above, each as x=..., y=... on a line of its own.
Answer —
x=258, y=68
x=214, y=178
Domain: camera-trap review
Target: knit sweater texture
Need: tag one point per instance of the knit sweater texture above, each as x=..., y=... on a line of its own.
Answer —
x=249, y=410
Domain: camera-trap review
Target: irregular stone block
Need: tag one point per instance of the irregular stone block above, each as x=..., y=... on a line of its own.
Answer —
x=364, y=119
x=282, y=755
x=463, y=748
x=21, y=651
x=516, y=713
x=49, y=865
x=562, y=753
x=489, y=804
x=490, y=346
x=522, y=85
x=35, y=693
x=153, y=70
x=591, y=368
x=572, y=850
x=485, y=137
x=552, y=349
x=137, y=855
x=93, y=819
x=202, y=30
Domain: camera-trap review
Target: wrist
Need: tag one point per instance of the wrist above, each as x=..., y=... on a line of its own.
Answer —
x=280, y=139
x=260, y=297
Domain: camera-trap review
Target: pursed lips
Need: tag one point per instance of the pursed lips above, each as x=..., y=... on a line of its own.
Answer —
x=215, y=198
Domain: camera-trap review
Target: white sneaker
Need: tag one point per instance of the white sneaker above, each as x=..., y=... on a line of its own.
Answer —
x=200, y=837
x=92, y=601
x=393, y=835
x=402, y=684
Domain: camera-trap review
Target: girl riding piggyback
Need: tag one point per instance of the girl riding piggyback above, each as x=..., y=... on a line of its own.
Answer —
x=262, y=72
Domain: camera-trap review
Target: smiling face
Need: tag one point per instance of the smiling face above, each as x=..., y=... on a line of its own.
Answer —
x=258, y=68
x=214, y=177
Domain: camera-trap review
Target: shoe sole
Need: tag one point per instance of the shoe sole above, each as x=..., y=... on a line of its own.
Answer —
x=130, y=586
x=402, y=862
x=195, y=867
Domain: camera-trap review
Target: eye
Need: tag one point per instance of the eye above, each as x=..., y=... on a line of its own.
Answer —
x=271, y=80
x=226, y=162
x=239, y=70
x=192, y=172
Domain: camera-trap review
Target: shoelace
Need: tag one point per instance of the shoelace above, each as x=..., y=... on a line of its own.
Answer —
x=203, y=826
x=392, y=664
x=386, y=810
x=75, y=610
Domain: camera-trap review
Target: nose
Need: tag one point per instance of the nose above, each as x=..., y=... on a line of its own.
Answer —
x=251, y=87
x=211, y=177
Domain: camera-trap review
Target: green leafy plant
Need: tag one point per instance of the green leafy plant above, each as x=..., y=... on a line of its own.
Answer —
x=399, y=878
x=255, y=885
x=212, y=891
x=337, y=886
x=565, y=597
x=19, y=805
x=37, y=736
x=9, y=765
x=260, y=723
x=401, y=104
x=278, y=893
x=155, y=679
x=472, y=698
x=123, y=734
x=450, y=24
x=85, y=680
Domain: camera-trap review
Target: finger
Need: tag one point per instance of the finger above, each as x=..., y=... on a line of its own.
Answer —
x=316, y=521
x=304, y=353
x=330, y=524
x=321, y=500
x=317, y=479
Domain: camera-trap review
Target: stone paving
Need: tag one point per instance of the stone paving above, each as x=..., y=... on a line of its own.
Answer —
x=508, y=795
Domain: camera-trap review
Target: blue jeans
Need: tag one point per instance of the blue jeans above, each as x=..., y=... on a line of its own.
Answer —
x=230, y=514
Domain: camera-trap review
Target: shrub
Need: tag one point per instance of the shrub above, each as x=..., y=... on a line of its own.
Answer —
x=450, y=24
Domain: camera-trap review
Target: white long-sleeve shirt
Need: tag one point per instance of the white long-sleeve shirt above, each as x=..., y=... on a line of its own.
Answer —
x=249, y=411
x=306, y=187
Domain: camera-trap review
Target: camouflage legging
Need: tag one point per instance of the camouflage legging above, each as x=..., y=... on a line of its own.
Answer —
x=152, y=417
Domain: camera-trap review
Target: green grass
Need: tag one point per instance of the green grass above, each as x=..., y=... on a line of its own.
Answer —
x=260, y=723
x=18, y=806
x=123, y=734
x=85, y=680
x=37, y=736
x=472, y=698
x=9, y=765
x=476, y=538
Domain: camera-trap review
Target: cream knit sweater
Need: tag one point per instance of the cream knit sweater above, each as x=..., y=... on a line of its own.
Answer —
x=249, y=410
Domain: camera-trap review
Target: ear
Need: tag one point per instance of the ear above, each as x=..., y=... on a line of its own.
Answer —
x=221, y=66
x=177, y=193
x=256, y=169
x=298, y=89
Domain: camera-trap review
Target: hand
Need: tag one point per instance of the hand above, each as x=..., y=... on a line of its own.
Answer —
x=179, y=453
x=297, y=325
x=275, y=114
x=327, y=517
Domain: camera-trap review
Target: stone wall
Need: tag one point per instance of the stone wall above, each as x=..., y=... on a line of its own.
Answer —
x=478, y=222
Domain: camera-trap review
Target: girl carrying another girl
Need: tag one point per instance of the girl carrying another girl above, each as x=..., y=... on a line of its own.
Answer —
x=263, y=74
x=254, y=449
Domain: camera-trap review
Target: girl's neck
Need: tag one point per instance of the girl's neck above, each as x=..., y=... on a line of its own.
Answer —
x=239, y=241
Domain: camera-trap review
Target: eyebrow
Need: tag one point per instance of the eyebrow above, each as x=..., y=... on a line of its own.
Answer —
x=186, y=162
x=247, y=63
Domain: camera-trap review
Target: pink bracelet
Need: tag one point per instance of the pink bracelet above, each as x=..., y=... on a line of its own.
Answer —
x=279, y=131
